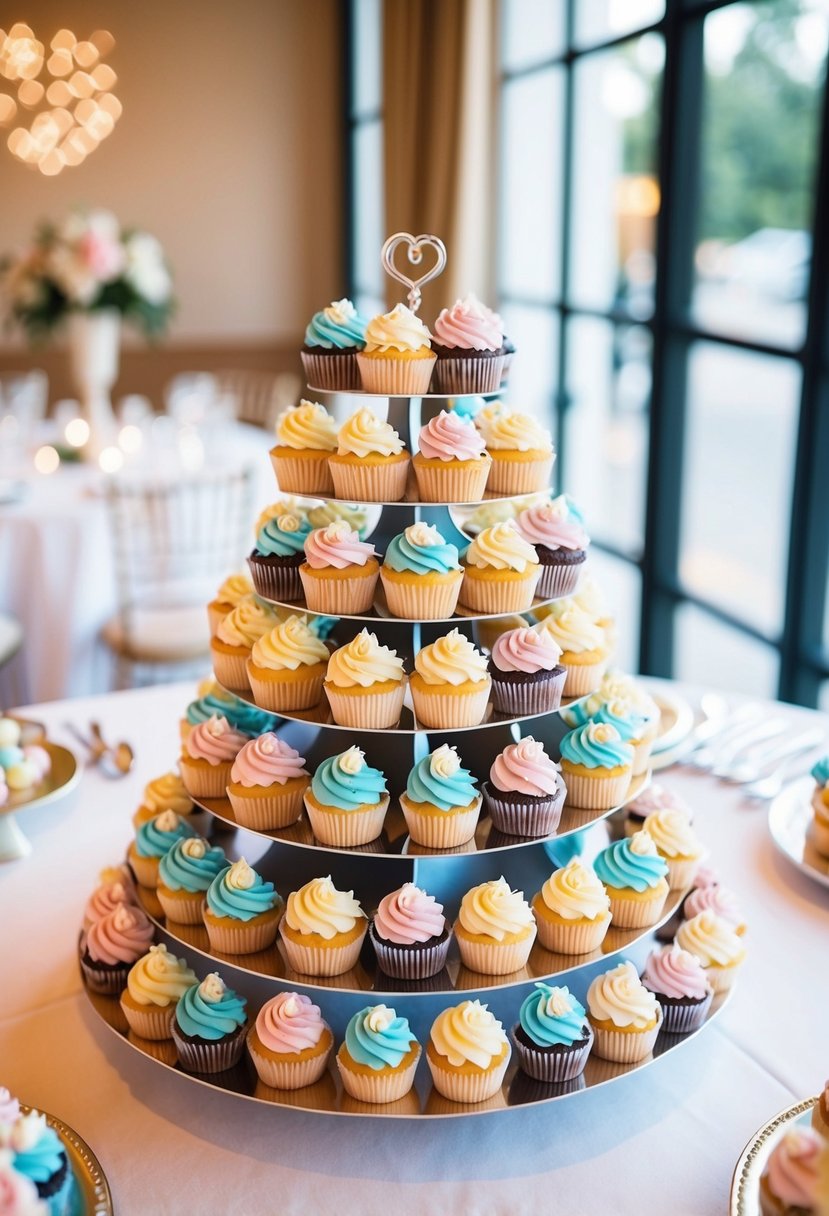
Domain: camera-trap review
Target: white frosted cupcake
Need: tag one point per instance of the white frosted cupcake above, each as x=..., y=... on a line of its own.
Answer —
x=306, y=435
x=521, y=450
x=451, y=683
x=467, y=1053
x=677, y=843
x=720, y=950
x=584, y=652
x=625, y=1017
x=365, y=683
x=495, y=929
x=323, y=929
x=572, y=910
x=397, y=360
x=501, y=571
x=371, y=463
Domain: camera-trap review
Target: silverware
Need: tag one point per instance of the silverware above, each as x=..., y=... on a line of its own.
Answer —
x=113, y=762
x=737, y=748
x=747, y=771
x=744, y=723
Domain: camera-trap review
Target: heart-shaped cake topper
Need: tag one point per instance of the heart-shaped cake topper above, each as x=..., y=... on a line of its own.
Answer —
x=414, y=246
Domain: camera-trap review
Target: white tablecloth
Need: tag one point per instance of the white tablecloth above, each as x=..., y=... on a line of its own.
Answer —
x=663, y=1143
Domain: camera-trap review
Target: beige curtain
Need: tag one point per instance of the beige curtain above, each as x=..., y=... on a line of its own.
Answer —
x=439, y=137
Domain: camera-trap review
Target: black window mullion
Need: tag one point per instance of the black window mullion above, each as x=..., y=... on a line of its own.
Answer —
x=561, y=400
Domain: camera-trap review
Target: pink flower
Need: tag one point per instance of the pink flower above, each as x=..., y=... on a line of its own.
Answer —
x=103, y=256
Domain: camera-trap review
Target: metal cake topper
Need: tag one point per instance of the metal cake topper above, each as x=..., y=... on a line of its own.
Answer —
x=415, y=246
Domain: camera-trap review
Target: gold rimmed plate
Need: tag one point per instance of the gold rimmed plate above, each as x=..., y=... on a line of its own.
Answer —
x=90, y=1179
x=63, y=776
x=745, y=1185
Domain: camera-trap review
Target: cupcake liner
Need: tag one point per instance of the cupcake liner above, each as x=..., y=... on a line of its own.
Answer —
x=467, y=1087
x=595, y=793
x=535, y=696
x=493, y=598
x=205, y=781
x=820, y=836
x=443, y=831
x=150, y=1021
x=510, y=813
x=180, y=911
x=338, y=596
x=552, y=1067
x=682, y=1019
x=199, y=1055
x=395, y=377
x=512, y=477
x=280, y=693
x=231, y=669
x=637, y=913
x=377, y=1087
x=322, y=960
x=682, y=871
x=722, y=979
x=277, y=581
x=558, y=580
x=336, y=372
x=470, y=375
x=370, y=482
x=241, y=936
x=419, y=962
x=420, y=601
x=347, y=828
x=571, y=937
x=289, y=1073
x=505, y=370
x=642, y=749
x=583, y=678
x=275, y=808
x=215, y=616
x=443, y=710
x=625, y=1046
x=495, y=958
x=308, y=474
x=452, y=480
x=369, y=710
x=109, y=981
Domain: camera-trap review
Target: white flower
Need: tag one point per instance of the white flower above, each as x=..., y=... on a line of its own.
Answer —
x=146, y=270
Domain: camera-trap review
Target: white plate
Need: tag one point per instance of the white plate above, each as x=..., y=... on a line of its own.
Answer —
x=790, y=818
x=675, y=725
x=745, y=1185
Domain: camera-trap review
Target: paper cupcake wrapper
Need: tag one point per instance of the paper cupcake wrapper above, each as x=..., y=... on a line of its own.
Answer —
x=471, y=375
x=421, y=601
x=508, y=358
x=280, y=696
x=182, y=911
x=214, y=618
x=468, y=1087
x=339, y=596
x=150, y=1021
x=579, y=937
x=269, y=811
x=642, y=749
x=379, y=1087
x=557, y=581
x=625, y=1047
x=497, y=958
x=681, y=873
x=241, y=937
x=371, y=711
x=482, y=595
x=277, y=582
x=303, y=475
x=110, y=982
x=440, y=831
x=288, y=1074
x=396, y=377
x=335, y=372
x=231, y=669
x=347, y=829
x=509, y=814
x=420, y=963
x=583, y=678
x=511, y=477
x=452, y=481
x=202, y=1056
x=370, y=482
x=316, y=960
x=722, y=979
x=682, y=1019
x=636, y=913
x=522, y=700
x=208, y=781
x=552, y=1067
x=595, y=793
x=442, y=711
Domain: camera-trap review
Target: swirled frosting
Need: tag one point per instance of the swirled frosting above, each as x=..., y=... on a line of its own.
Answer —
x=409, y=916
x=525, y=768
x=711, y=939
x=377, y=1037
x=623, y=715
x=575, y=892
x=240, y=893
x=590, y=598
x=501, y=547
x=714, y=898
x=595, y=745
x=285, y=506
x=468, y=1034
x=792, y=1171
x=513, y=432
x=675, y=973
x=525, y=649
x=820, y=771
x=320, y=908
x=338, y=546
x=347, y=782
x=235, y=588
x=494, y=910
x=159, y=977
x=620, y=997
x=421, y=549
x=363, y=662
x=672, y=833
x=451, y=659
x=307, y=427
x=288, y=646
x=440, y=780
x=631, y=863
x=468, y=326
x=38, y=1152
x=167, y=793
x=121, y=937
x=363, y=434
x=552, y=1017
x=246, y=623
x=448, y=436
x=337, y=327
x=215, y=741
x=107, y=897
x=241, y=716
x=397, y=330
x=191, y=865
x=549, y=524
x=656, y=798
x=210, y=1010
x=616, y=685
x=157, y=835
x=18, y=1194
x=282, y=536
x=289, y=1023
x=572, y=629
x=267, y=760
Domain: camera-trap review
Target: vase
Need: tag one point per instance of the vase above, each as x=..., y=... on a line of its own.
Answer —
x=94, y=339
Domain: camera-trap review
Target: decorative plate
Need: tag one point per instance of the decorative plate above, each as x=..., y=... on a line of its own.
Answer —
x=745, y=1185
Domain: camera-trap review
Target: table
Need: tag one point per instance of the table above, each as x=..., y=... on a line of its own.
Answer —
x=664, y=1143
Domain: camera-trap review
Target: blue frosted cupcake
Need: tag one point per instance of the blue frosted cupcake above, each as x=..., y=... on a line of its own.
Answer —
x=153, y=839
x=243, y=717
x=242, y=911
x=347, y=800
x=332, y=338
x=378, y=1059
x=635, y=878
x=184, y=874
x=596, y=765
x=552, y=1036
x=442, y=803
x=279, y=553
x=37, y=1154
x=421, y=575
x=209, y=1026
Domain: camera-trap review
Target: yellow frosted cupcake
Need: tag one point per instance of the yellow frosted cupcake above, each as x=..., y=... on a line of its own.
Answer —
x=450, y=684
x=495, y=929
x=677, y=843
x=441, y=804
x=233, y=590
x=521, y=450
x=421, y=574
x=164, y=793
x=584, y=654
x=398, y=358
x=231, y=648
x=467, y=1053
x=365, y=683
x=323, y=929
x=371, y=463
x=501, y=571
x=572, y=910
x=452, y=464
x=624, y=1015
x=340, y=571
x=347, y=800
x=286, y=667
x=155, y=984
x=715, y=943
x=378, y=1058
x=306, y=435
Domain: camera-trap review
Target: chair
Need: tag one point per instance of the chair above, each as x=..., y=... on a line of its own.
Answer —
x=173, y=542
x=25, y=394
x=11, y=641
x=258, y=396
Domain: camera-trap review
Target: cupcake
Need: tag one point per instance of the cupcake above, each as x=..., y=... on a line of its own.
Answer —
x=560, y=542
x=378, y=1058
x=634, y=876
x=209, y=1026
x=241, y=715
x=441, y=803
x=242, y=910
x=680, y=984
x=152, y=840
x=654, y=797
x=287, y=666
x=323, y=929
x=20, y=1194
x=233, y=590
x=365, y=683
x=521, y=450
x=452, y=464
x=525, y=793
x=164, y=793
x=207, y=757
x=112, y=945
x=820, y=1112
x=231, y=648
x=619, y=687
x=332, y=338
x=409, y=934
x=306, y=434
x=468, y=341
x=42, y=1169
x=820, y=806
x=677, y=843
x=371, y=463
x=347, y=800
x=267, y=781
x=572, y=910
x=527, y=677
x=467, y=1053
x=340, y=571
x=633, y=727
x=552, y=1036
x=466, y=407
x=596, y=766
x=500, y=572
x=626, y=1018
x=495, y=929
x=107, y=896
x=450, y=684
x=789, y=1183
x=714, y=897
x=277, y=556
x=716, y=945
x=582, y=644
x=154, y=985
x=289, y=1042
x=421, y=574
x=184, y=874
x=398, y=359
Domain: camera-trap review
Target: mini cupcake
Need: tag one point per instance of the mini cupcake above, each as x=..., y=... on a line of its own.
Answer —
x=233, y=590
x=277, y=556
x=209, y=1026
x=572, y=910
x=365, y=683
x=287, y=666
x=207, y=757
x=596, y=766
x=560, y=542
x=164, y=793
x=450, y=684
x=107, y=896
x=41, y=1180
x=467, y=1053
x=20, y=1194
x=679, y=982
x=267, y=781
x=521, y=450
x=371, y=463
x=231, y=648
x=242, y=910
x=525, y=792
x=323, y=929
x=617, y=686
x=184, y=874
x=789, y=1183
x=552, y=1036
x=820, y=806
x=714, y=897
x=677, y=843
x=582, y=643
x=469, y=343
x=527, y=677
x=495, y=929
x=340, y=571
x=290, y=1042
x=112, y=945
x=716, y=945
x=154, y=985
x=626, y=1018
x=441, y=803
x=633, y=727
x=332, y=338
x=634, y=876
x=654, y=797
x=421, y=574
x=306, y=434
x=409, y=934
x=241, y=715
x=152, y=841
x=820, y=1112
x=398, y=359
x=452, y=464
x=378, y=1057
x=347, y=800
x=501, y=572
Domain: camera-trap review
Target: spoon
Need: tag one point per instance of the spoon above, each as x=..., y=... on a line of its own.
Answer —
x=114, y=761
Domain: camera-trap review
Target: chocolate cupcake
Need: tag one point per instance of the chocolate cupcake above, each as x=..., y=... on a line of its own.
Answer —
x=209, y=1026
x=409, y=934
x=552, y=1036
x=279, y=553
x=111, y=946
x=467, y=339
x=332, y=338
x=527, y=677
x=678, y=980
x=525, y=793
x=560, y=542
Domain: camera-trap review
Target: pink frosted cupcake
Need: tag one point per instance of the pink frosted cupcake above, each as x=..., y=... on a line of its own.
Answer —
x=340, y=571
x=409, y=934
x=525, y=792
x=468, y=340
x=527, y=677
x=655, y=797
x=714, y=897
x=789, y=1183
x=112, y=945
x=106, y=897
x=267, y=781
x=681, y=986
x=560, y=542
x=208, y=755
x=289, y=1042
x=452, y=464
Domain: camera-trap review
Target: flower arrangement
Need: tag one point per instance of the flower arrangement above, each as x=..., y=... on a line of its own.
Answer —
x=86, y=264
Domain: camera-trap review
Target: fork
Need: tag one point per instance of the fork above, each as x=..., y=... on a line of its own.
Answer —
x=748, y=772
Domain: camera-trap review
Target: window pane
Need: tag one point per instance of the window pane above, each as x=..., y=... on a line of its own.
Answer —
x=609, y=384
x=615, y=197
x=535, y=367
x=531, y=31
x=763, y=85
x=621, y=585
x=600, y=19
x=367, y=76
x=368, y=207
x=823, y=697
x=708, y=652
x=529, y=249
x=737, y=482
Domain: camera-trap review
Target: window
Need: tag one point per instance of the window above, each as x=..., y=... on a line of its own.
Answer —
x=364, y=177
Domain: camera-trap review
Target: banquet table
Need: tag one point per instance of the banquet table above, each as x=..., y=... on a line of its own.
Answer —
x=663, y=1142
